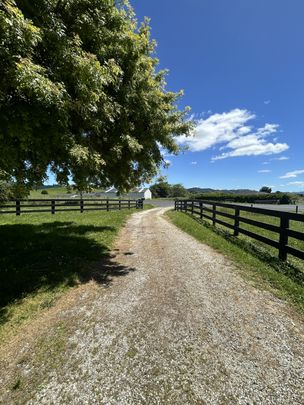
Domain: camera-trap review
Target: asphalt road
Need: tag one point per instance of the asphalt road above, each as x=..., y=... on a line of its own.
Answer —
x=161, y=203
x=290, y=207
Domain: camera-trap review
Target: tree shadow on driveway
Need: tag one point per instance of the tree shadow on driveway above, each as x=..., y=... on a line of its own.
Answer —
x=50, y=256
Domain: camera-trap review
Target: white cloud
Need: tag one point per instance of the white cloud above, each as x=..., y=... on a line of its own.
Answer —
x=281, y=158
x=194, y=163
x=267, y=102
x=164, y=151
x=268, y=129
x=168, y=163
x=260, y=147
x=290, y=175
x=296, y=183
x=216, y=129
x=264, y=171
x=232, y=131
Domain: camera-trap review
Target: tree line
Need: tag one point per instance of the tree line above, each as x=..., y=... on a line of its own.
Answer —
x=162, y=189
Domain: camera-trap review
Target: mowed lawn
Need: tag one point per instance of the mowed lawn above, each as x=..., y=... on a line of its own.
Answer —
x=52, y=192
x=43, y=255
x=256, y=261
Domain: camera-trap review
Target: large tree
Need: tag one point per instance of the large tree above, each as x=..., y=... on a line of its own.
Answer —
x=265, y=189
x=80, y=93
x=178, y=190
x=161, y=189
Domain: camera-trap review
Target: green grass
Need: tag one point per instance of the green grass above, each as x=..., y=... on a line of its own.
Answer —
x=255, y=263
x=42, y=256
x=55, y=192
x=52, y=192
x=295, y=225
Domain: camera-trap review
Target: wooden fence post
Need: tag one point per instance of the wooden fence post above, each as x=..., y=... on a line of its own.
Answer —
x=119, y=204
x=201, y=210
x=284, y=225
x=139, y=204
x=213, y=214
x=107, y=204
x=53, y=207
x=18, y=207
x=129, y=204
x=81, y=206
x=236, y=222
x=192, y=207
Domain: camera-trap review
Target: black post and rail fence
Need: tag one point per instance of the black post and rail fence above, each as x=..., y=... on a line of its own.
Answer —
x=211, y=211
x=52, y=206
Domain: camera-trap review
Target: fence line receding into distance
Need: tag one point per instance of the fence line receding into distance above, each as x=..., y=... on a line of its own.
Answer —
x=54, y=205
x=210, y=210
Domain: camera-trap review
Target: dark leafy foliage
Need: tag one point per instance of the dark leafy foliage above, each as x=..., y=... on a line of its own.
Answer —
x=80, y=93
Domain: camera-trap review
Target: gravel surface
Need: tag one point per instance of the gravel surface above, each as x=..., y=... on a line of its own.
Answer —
x=182, y=328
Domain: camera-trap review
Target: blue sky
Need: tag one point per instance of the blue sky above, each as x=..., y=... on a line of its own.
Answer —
x=241, y=65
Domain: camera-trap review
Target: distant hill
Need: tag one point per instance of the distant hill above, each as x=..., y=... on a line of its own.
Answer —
x=197, y=190
x=200, y=190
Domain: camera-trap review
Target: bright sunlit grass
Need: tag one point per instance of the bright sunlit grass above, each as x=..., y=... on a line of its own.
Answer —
x=256, y=263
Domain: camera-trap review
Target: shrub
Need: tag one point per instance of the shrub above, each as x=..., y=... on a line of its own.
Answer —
x=44, y=192
x=5, y=191
x=9, y=190
x=245, y=198
x=285, y=199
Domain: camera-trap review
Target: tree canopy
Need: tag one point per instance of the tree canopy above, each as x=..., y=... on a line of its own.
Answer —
x=162, y=189
x=80, y=93
x=265, y=189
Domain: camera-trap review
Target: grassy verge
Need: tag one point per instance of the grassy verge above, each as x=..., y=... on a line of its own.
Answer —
x=294, y=225
x=285, y=280
x=42, y=256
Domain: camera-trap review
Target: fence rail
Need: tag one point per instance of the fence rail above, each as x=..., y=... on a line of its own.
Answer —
x=54, y=205
x=209, y=210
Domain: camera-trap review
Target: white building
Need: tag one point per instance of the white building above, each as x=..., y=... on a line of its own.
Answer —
x=135, y=194
x=140, y=193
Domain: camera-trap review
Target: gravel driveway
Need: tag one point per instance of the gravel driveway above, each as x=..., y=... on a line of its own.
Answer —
x=182, y=328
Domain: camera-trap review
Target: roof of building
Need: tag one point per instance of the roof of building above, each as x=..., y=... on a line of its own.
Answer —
x=135, y=190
